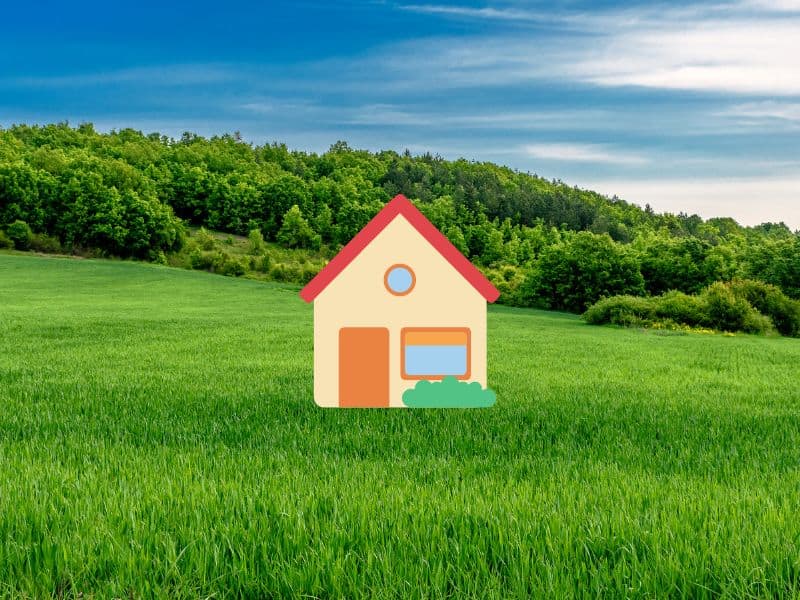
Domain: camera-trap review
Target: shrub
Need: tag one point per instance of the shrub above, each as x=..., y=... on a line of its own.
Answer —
x=307, y=273
x=202, y=261
x=204, y=239
x=5, y=241
x=45, y=243
x=157, y=256
x=680, y=308
x=448, y=393
x=263, y=263
x=286, y=273
x=232, y=267
x=726, y=312
x=621, y=310
x=256, y=241
x=719, y=307
x=20, y=233
x=769, y=300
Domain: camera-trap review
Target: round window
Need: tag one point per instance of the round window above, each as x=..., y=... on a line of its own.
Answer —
x=399, y=279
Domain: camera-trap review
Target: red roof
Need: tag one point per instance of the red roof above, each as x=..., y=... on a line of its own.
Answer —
x=399, y=205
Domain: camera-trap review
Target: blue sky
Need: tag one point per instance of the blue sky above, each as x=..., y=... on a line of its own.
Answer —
x=688, y=107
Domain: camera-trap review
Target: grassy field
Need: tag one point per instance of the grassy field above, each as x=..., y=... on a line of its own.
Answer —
x=158, y=437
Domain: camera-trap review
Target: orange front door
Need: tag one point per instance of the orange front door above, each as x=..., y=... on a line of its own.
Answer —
x=364, y=367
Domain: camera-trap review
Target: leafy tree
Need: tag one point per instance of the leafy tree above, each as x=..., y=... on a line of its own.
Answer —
x=575, y=274
x=295, y=232
x=19, y=232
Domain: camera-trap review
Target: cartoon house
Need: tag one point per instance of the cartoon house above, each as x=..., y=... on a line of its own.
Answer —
x=398, y=304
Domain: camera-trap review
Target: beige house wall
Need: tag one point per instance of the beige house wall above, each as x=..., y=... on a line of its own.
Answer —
x=357, y=298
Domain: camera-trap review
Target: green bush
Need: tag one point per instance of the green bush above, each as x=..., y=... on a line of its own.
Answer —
x=45, y=243
x=201, y=261
x=263, y=263
x=448, y=393
x=286, y=273
x=307, y=273
x=721, y=306
x=679, y=308
x=256, y=242
x=21, y=234
x=726, y=312
x=204, y=239
x=232, y=267
x=5, y=241
x=769, y=300
x=621, y=310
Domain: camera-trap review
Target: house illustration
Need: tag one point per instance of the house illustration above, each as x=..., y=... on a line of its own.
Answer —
x=397, y=305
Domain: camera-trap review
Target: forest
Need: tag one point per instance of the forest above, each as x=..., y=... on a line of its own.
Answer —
x=543, y=243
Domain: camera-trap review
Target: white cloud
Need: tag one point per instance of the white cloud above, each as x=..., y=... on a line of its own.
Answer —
x=498, y=119
x=750, y=201
x=739, y=56
x=746, y=47
x=590, y=153
x=505, y=14
x=784, y=112
x=772, y=5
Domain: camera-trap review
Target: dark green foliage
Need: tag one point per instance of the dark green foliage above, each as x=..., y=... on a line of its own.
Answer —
x=621, y=310
x=769, y=300
x=543, y=243
x=233, y=267
x=776, y=260
x=742, y=305
x=200, y=260
x=727, y=312
x=19, y=232
x=41, y=242
x=683, y=264
x=448, y=393
x=677, y=307
x=5, y=241
x=586, y=267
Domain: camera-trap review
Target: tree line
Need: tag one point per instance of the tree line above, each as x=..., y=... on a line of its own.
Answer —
x=543, y=243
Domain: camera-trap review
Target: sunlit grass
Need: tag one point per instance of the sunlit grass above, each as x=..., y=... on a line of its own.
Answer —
x=158, y=437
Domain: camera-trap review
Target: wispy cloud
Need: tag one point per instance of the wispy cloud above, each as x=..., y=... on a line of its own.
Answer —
x=392, y=115
x=165, y=75
x=590, y=153
x=503, y=14
x=783, y=112
x=739, y=56
x=746, y=47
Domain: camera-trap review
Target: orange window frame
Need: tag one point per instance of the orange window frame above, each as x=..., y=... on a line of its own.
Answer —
x=441, y=335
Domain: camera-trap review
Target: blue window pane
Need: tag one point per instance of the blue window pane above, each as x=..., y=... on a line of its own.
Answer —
x=399, y=280
x=435, y=360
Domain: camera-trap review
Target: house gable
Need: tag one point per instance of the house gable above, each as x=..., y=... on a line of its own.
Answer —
x=400, y=205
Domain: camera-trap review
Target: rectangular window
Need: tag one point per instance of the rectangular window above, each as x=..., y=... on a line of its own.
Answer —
x=433, y=352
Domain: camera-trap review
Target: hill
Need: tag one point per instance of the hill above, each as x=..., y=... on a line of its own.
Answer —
x=159, y=437
x=128, y=194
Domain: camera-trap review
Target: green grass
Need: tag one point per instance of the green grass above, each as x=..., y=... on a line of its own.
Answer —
x=158, y=437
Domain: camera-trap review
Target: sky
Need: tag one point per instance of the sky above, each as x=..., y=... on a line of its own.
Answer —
x=686, y=107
